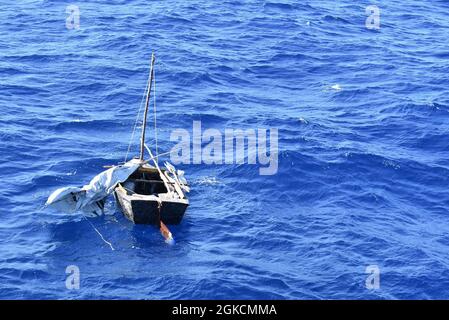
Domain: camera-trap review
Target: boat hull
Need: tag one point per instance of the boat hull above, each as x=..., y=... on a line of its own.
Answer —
x=146, y=211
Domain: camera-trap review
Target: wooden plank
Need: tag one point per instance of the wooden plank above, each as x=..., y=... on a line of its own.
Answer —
x=148, y=170
x=147, y=181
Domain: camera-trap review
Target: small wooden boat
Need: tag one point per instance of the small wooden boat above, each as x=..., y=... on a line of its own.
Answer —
x=153, y=195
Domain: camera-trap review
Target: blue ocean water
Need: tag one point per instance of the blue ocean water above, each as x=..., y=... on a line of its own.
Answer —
x=363, y=172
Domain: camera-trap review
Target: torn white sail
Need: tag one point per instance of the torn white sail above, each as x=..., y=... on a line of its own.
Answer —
x=89, y=197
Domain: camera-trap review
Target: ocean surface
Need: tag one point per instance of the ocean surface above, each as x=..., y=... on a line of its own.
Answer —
x=363, y=122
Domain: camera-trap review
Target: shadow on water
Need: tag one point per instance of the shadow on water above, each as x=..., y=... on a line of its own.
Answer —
x=84, y=240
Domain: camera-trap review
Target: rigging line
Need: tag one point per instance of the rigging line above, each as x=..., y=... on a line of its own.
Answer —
x=154, y=105
x=134, y=129
x=137, y=119
x=161, y=174
x=158, y=155
x=96, y=230
x=135, y=124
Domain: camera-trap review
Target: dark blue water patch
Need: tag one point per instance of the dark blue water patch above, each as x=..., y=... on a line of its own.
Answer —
x=279, y=5
x=13, y=90
x=39, y=58
x=287, y=57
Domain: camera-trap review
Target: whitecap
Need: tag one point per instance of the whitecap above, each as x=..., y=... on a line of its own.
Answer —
x=336, y=87
x=207, y=181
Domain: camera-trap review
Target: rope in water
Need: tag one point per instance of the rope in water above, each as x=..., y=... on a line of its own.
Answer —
x=99, y=233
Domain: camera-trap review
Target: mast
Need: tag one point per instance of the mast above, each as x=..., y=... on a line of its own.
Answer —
x=147, y=102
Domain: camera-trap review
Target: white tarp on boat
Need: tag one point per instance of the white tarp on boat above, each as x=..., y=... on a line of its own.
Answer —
x=89, y=197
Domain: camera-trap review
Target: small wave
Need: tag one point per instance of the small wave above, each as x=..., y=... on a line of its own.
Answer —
x=81, y=124
x=331, y=18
